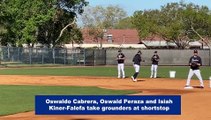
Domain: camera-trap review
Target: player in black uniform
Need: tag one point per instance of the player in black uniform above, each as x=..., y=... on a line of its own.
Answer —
x=155, y=59
x=120, y=66
x=136, y=63
x=195, y=62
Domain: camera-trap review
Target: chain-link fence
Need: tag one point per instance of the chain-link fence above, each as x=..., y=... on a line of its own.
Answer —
x=17, y=55
x=89, y=57
x=167, y=56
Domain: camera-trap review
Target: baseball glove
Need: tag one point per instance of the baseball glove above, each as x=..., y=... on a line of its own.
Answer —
x=194, y=64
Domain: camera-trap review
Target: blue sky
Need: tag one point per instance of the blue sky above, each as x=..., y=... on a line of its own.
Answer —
x=130, y=6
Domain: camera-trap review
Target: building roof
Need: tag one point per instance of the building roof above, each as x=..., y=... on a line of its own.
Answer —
x=117, y=36
x=161, y=43
x=142, y=46
x=128, y=38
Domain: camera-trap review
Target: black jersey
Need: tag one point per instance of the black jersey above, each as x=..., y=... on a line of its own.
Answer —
x=155, y=59
x=120, y=58
x=193, y=62
x=137, y=59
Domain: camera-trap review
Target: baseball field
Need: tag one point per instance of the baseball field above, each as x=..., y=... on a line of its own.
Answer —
x=18, y=86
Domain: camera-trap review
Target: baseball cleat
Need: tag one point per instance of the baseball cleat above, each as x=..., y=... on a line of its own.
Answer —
x=134, y=80
x=188, y=87
x=132, y=77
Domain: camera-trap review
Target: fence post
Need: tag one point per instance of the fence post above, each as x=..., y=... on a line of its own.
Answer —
x=84, y=56
x=209, y=56
x=53, y=56
x=8, y=52
x=65, y=51
x=18, y=53
x=105, y=50
x=30, y=57
x=42, y=52
x=93, y=58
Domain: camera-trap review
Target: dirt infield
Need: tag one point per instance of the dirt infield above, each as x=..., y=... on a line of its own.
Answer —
x=196, y=103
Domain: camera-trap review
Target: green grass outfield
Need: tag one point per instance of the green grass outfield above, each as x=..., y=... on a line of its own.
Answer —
x=16, y=98
x=163, y=71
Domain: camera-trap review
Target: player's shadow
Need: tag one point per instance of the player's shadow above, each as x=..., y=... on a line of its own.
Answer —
x=80, y=119
x=196, y=86
x=140, y=80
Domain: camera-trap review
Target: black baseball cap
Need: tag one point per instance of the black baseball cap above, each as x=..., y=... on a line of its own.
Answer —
x=119, y=50
x=156, y=52
x=195, y=51
x=139, y=51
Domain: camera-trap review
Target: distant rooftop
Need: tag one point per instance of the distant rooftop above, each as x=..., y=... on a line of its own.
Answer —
x=115, y=36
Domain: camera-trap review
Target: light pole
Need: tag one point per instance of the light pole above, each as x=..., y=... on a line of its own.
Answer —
x=123, y=39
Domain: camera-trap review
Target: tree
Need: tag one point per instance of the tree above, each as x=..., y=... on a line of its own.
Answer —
x=105, y=17
x=125, y=23
x=99, y=18
x=175, y=22
x=198, y=21
x=146, y=22
x=75, y=36
x=2, y=29
x=29, y=21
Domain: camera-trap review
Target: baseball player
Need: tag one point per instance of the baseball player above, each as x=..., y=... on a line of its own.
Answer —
x=195, y=62
x=136, y=63
x=155, y=59
x=120, y=66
